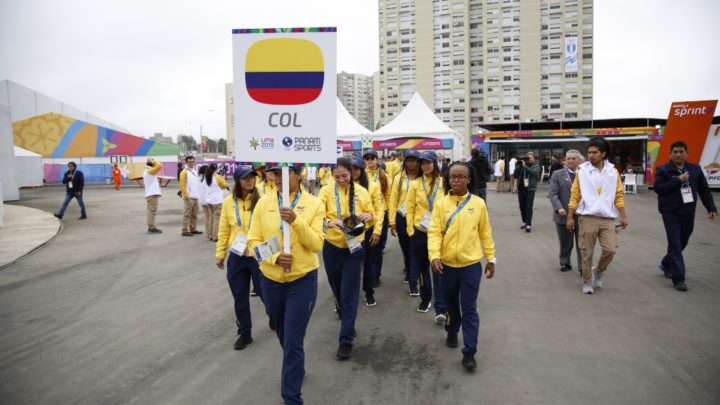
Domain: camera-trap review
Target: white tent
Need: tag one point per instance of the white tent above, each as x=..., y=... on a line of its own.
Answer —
x=28, y=168
x=417, y=120
x=347, y=126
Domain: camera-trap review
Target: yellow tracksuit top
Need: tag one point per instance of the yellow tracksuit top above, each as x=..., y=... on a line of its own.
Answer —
x=378, y=206
x=221, y=182
x=325, y=176
x=374, y=177
x=229, y=229
x=363, y=204
x=469, y=234
x=183, y=183
x=398, y=192
x=155, y=168
x=306, y=235
x=393, y=168
x=265, y=187
x=416, y=201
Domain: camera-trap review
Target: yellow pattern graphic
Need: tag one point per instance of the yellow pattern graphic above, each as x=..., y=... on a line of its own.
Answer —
x=41, y=134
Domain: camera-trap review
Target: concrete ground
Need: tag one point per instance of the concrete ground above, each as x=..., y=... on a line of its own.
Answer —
x=107, y=314
x=25, y=230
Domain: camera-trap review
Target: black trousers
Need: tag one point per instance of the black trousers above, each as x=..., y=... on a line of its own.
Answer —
x=526, y=199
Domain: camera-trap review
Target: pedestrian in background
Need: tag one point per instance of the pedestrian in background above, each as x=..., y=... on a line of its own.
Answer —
x=500, y=175
x=214, y=198
x=74, y=182
x=203, y=202
x=511, y=171
x=152, y=192
x=597, y=194
x=459, y=235
x=117, y=177
x=528, y=175
x=678, y=185
x=397, y=206
x=482, y=168
x=560, y=189
x=190, y=193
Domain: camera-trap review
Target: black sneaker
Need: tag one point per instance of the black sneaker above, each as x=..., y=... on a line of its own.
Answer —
x=253, y=293
x=452, y=340
x=344, y=351
x=528, y=229
x=424, y=306
x=83, y=217
x=523, y=226
x=680, y=286
x=56, y=215
x=186, y=233
x=468, y=361
x=242, y=342
x=196, y=232
x=665, y=271
x=154, y=230
x=370, y=300
x=565, y=267
x=414, y=292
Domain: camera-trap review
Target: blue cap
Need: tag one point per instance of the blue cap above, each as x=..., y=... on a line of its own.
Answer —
x=242, y=172
x=382, y=165
x=428, y=155
x=370, y=152
x=269, y=168
x=357, y=161
x=411, y=153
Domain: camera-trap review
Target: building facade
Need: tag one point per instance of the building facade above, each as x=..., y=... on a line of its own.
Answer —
x=476, y=61
x=229, y=119
x=355, y=92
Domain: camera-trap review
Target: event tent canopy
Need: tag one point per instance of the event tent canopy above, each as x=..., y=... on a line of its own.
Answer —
x=347, y=125
x=417, y=120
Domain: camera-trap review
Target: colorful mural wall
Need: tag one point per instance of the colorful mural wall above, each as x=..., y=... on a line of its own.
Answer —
x=56, y=136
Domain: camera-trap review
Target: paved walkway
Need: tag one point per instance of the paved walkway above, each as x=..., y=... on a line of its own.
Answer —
x=25, y=230
x=107, y=314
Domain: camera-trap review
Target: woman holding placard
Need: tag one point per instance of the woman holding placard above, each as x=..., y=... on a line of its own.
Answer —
x=349, y=212
x=459, y=234
x=233, y=228
x=289, y=285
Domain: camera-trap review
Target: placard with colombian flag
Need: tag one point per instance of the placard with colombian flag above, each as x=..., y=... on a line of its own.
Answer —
x=284, y=95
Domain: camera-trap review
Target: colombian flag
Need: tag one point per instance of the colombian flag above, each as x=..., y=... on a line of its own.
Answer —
x=284, y=71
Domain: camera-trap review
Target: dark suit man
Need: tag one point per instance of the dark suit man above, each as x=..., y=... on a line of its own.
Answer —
x=560, y=184
x=678, y=185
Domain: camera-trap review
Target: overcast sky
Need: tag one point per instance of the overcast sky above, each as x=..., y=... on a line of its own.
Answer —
x=155, y=66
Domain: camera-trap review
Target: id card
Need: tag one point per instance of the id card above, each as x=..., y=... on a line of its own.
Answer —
x=686, y=195
x=425, y=222
x=353, y=243
x=401, y=209
x=266, y=249
x=70, y=184
x=239, y=245
x=526, y=182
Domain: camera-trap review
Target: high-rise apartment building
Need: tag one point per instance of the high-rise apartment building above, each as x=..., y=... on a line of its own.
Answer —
x=230, y=118
x=477, y=61
x=355, y=92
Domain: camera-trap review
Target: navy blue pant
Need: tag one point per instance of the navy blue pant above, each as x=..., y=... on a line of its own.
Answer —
x=461, y=286
x=68, y=197
x=420, y=271
x=290, y=306
x=404, y=239
x=678, y=228
x=343, y=272
x=240, y=270
x=526, y=199
x=372, y=266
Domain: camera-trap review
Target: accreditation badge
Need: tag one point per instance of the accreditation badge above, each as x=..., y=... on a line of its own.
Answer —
x=401, y=209
x=687, y=196
x=239, y=244
x=267, y=249
x=353, y=242
x=425, y=222
x=526, y=182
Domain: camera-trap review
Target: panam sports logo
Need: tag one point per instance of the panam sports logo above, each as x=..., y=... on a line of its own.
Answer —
x=284, y=71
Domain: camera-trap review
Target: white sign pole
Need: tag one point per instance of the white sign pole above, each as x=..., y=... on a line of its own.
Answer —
x=286, y=204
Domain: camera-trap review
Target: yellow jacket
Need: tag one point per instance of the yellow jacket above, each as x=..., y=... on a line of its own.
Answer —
x=363, y=204
x=155, y=168
x=183, y=183
x=469, y=234
x=393, y=168
x=229, y=229
x=221, y=181
x=306, y=235
x=378, y=206
x=416, y=202
x=325, y=176
x=398, y=192
x=265, y=187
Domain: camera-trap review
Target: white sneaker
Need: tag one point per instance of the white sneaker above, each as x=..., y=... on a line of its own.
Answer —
x=587, y=288
x=597, y=278
x=440, y=319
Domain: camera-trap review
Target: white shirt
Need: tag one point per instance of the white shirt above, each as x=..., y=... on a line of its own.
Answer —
x=202, y=190
x=214, y=194
x=597, y=188
x=499, y=166
x=192, y=184
x=513, y=162
x=312, y=173
x=152, y=186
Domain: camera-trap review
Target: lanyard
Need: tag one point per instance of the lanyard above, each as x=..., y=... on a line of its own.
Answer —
x=568, y=176
x=294, y=203
x=447, y=224
x=682, y=171
x=431, y=200
x=337, y=204
x=237, y=215
x=377, y=175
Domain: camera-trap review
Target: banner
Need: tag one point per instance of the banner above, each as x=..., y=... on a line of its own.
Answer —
x=284, y=93
x=710, y=160
x=571, y=55
x=689, y=121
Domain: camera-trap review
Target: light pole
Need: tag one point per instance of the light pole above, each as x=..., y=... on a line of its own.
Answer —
x=201, y=122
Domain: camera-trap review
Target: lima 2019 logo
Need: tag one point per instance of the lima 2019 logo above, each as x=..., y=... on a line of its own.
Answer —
x=284, y=71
